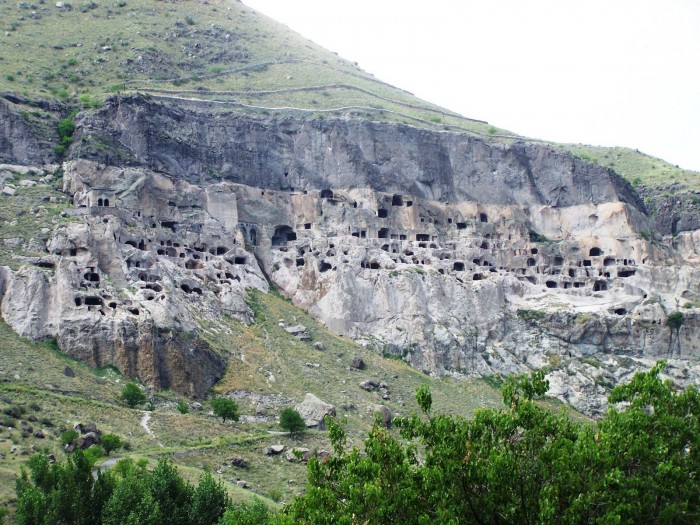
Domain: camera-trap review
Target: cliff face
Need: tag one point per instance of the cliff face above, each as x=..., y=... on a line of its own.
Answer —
x=200, y=142
x=456, y=255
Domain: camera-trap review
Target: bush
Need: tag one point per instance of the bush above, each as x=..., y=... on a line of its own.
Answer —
x=225, y=409
x=111, y=442
x=183, y=407
x=291, y=421
x=132, y=395
x=65, y=133
x=69, y=436
x=675, y=320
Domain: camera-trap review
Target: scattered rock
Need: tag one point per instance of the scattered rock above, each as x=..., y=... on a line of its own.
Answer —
x=313, y=410
x=298, y=454
x=196, y=406
x=51, y=458
x=369, y=385
x=242, y=484
x=313, y=365
x=87, y=440
x=32, y=418
x=318, y=345
x=238, y=462
x=27, y=183
x=357, y=363
x=14, y=450
x=68, y=372
x=39, y=434
x=299, y=332
x=385, y=415
x=273, y=449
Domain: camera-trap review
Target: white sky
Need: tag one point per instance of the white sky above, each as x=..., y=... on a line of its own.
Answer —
x=603, y=72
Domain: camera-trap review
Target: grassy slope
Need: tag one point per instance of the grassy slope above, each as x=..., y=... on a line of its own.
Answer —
x=33, y=373
x=25, y=214
x=222, y=50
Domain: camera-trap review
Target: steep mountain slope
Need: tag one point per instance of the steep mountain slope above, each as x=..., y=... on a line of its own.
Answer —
x=216, y=152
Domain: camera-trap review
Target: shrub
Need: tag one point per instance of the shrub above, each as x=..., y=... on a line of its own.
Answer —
x=69, y=436
x=291, y=421
x=225, y=409
x=132, y=395
x=65, y=133
x=111, y=442
x=675, y=320
x=183, y=407
x=531, y=315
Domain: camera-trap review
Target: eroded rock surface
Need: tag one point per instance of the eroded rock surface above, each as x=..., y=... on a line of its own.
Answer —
x=458, y=256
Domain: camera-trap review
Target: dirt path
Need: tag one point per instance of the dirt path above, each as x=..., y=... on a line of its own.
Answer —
x=144, y=423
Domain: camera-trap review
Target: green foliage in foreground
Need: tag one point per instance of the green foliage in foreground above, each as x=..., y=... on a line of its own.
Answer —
x=67, y=493
x=518, y=464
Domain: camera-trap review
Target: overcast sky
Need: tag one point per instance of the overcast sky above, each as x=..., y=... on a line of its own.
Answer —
x=612, y=73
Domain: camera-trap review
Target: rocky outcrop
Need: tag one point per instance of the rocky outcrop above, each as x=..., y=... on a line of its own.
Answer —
x=456, y=255
x=200, y=143
x=313, y=411
x=28, y=131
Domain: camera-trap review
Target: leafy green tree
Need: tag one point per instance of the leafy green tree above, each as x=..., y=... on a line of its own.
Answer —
x=59, y=493
x=519, y=464
x=253, y=513
x=225, y=408
x=111, y=442
x=69, y=436
x=132, y=503
x=173, y=494
x=209, y=502
x=132, y=394
x=291, y=421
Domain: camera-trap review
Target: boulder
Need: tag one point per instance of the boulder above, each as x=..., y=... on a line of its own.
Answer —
x=298, y=454
x=7, y=190
x=68, y=372
x=384, y=415
x=87, y=440
x=243, y=484
x=238, y=462
x=357, y=363
x=299, y=332
x=318, y=345
x=39, y=434
x=313, y=410
x=273, y=449
x=369, y=385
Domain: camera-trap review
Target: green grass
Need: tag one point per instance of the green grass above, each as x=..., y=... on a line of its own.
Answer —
x=32, y=374
x=225, y=52
x=25, y=214
x=637, y=167
x=81, y=55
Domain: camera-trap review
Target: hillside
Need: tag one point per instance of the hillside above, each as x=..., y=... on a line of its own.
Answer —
x=33, y=378
x=194, y=197
x=226, y=52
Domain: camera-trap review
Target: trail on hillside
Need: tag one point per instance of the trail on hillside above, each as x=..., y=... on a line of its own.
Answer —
x=144, y=423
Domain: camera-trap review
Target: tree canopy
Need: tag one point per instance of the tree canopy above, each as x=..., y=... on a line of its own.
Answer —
x=225, y=408
x=132, y=394
x=520, y=464
x=291, y=421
